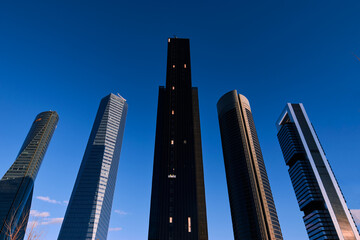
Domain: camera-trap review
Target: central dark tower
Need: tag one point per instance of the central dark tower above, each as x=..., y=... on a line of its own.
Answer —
x=178, y=210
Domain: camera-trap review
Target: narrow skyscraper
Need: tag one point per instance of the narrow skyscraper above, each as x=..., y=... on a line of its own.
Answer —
x=178, y=210
x=88, y=213
x=252, y=206
x=326, y=215
x=16, y=187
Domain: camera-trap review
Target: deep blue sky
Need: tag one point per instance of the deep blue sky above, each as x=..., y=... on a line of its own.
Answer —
x=67, y=55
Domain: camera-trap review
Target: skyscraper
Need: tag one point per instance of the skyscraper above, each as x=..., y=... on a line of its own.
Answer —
x=326, y=215
x=252, y=206
x=178, y=210
x=88, y=213
x=16, y=187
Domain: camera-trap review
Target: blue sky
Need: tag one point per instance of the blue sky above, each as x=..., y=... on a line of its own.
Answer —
x=67, y=55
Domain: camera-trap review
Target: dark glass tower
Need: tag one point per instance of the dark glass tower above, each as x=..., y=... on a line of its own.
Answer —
x=16, y=187
x=252, y=206
x=326, y=215
x=88, y=213
x=178, y=210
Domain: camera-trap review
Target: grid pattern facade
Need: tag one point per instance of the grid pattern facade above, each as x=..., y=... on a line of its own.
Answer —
x=88, y=213
x=178, y=210
x=252, y=206
x=16, y=186
x=326, y=215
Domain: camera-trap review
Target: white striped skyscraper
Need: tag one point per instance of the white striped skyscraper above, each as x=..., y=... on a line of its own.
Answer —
x=88, y=213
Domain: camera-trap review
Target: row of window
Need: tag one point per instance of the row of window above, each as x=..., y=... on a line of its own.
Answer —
x=188, y=225
x=173, y=66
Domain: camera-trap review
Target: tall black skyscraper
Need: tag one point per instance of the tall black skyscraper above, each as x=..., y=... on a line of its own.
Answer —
x=326, y=215
x=88, y=214
x=253, y=210
x=16, y=187
x=178, y=210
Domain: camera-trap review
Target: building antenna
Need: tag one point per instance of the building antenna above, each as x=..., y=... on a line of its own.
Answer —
x=121, y=96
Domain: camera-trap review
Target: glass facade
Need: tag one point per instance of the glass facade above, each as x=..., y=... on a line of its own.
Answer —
x=88, y=213
x=178, y=209
x=252, y=206
x=326, y=215
x=16, y=186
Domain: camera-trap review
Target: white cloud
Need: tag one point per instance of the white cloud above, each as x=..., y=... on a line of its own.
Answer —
x=356, y=215
x=49, y=221
x=115, y=229
x=66, y=202
x=48, y=199
x=121, y=212
x=42, y=218
x=36, y=213
x=33, y=224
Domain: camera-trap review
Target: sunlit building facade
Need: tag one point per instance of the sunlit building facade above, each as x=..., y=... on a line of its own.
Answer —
x=16, y=186
x=88, y=213
x=178, y=208
x=253, y=211
x=326, y=215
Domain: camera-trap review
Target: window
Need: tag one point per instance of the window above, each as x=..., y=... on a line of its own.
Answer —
x=172, y=112
x=172, y=142
x=173, y=88
x=173, y=66
x=185, y=65
x=189, y=224
x=170, y=219
x=168, y=39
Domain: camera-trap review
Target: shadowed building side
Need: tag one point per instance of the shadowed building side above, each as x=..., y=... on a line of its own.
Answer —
x=178, y=209
x=89, y=209
x=326, y=215
x=252, y=206
x=16, y=187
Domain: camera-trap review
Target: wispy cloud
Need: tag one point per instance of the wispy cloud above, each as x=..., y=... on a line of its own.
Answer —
x=48, y=199
x=32, y=224
x=121, y=212
x=42, y=218
x=115, y=229
x=50, y=221
x=53, y=201
x=356, y=215
x=45, y=221
x=36, y=213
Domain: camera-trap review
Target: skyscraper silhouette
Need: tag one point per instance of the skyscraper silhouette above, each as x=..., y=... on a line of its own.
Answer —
x=88, y=213
x=16, y=187
x=326, y=215
x=252, y=206
x=178, y=210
